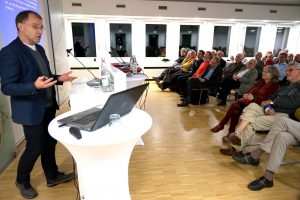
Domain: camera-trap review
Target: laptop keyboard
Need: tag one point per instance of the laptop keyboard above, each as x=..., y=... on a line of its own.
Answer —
x=87, y=119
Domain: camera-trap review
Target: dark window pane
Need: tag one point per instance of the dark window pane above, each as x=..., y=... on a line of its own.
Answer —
x=84, y=39
x=156, y=40
x=281, y=39
x=189, y=36
x=251, y=41
x=221, y=39
x=120, y=40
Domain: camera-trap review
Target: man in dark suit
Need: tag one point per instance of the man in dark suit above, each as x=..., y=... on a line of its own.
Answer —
x=227, y=78
x=27, y=79
x=222, y=64
x=210, y=79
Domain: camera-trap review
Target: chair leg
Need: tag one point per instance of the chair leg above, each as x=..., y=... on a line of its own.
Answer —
x=200, y=95
x=290, y=162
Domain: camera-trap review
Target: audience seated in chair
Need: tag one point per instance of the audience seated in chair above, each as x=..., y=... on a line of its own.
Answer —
x=174, y=67
x=181, y=81
x=183, y=77
x=222, y=64
x=259, y=92
x=256, y=117
x=201, y=69
x=281, y=65
x=259, y=65
x=283, y=133
x=269, y=59
x=246, y=76
x=242, y=77
x=182, y=71
x=209, y=79
x=297, y=58
x=197, y=63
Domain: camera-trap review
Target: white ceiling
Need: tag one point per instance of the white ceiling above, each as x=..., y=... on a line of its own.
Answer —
x=264, y=2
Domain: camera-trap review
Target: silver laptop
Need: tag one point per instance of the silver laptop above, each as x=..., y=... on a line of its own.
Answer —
x=119, y=103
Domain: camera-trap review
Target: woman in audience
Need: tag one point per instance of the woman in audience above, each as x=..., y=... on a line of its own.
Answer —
x=262, y=117
x=283, y=133
x=259, y=92
x=184, y=69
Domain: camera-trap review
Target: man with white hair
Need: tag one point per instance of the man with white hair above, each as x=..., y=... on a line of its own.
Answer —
x=297, y=58
x=261, y=117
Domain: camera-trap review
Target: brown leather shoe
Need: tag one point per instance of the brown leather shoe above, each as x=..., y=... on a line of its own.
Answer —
x=160, y=85
x=217, y=128
x=233, y=139
x=225, y=138
x=226, y=152
x=230, y=152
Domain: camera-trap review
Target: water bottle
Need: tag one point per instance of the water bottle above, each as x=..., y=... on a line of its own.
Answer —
x=111, y=81
x=133, y=64
x=105, y=76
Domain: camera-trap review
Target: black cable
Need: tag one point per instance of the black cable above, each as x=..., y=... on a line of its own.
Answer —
x=52, y=47
x=75, y=180
x=142, y=104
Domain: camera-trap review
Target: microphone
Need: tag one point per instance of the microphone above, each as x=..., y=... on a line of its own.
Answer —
x=95, y=81
x=121, y=63
x=115, y=54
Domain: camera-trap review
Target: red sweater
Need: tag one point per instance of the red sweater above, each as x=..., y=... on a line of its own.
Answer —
x=201, y=69
x=261, y=90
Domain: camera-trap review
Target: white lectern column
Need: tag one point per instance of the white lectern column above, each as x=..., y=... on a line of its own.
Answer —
x=102, y=156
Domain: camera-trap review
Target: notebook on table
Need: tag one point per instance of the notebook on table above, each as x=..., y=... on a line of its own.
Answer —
x=118, y=103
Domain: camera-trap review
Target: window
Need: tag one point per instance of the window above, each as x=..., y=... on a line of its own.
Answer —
x=252, y=40
x=120, y=40
x=189, y=36
x=281, y=39
x=221, y=39
x=156, y=40
x=84, y=39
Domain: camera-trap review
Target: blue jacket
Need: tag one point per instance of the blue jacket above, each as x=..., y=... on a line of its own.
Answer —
x=18, y=72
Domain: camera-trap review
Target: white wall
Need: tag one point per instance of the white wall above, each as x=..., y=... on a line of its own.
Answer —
x=57, y=49
x=181, y=9
x=138, y=13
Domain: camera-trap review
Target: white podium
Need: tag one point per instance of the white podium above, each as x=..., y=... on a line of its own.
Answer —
x=83, y=96
x=103, y=156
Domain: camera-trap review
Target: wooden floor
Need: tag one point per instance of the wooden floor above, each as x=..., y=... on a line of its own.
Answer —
x=179, y=161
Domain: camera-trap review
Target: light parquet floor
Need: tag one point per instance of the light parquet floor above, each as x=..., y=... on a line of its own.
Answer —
x=179, y=161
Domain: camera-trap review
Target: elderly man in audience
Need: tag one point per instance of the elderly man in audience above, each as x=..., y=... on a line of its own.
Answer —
x=174, y=67
x=229, y=71
x=197, y=63
x=201, y=69
x=209, y=80
x=259, y=65
x=222, y=64
x=297, y=58
x=290, y=57
x=261, y=118
x=244, y=60
x=183, y=77
x=269, y=60
x=242, y=79
x=281, y=65
x=246, y=76
x=266, y=56
x=259, y=92
x=283, y=133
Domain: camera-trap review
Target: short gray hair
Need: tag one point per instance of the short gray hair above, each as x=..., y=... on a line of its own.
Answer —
x=296, y=64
